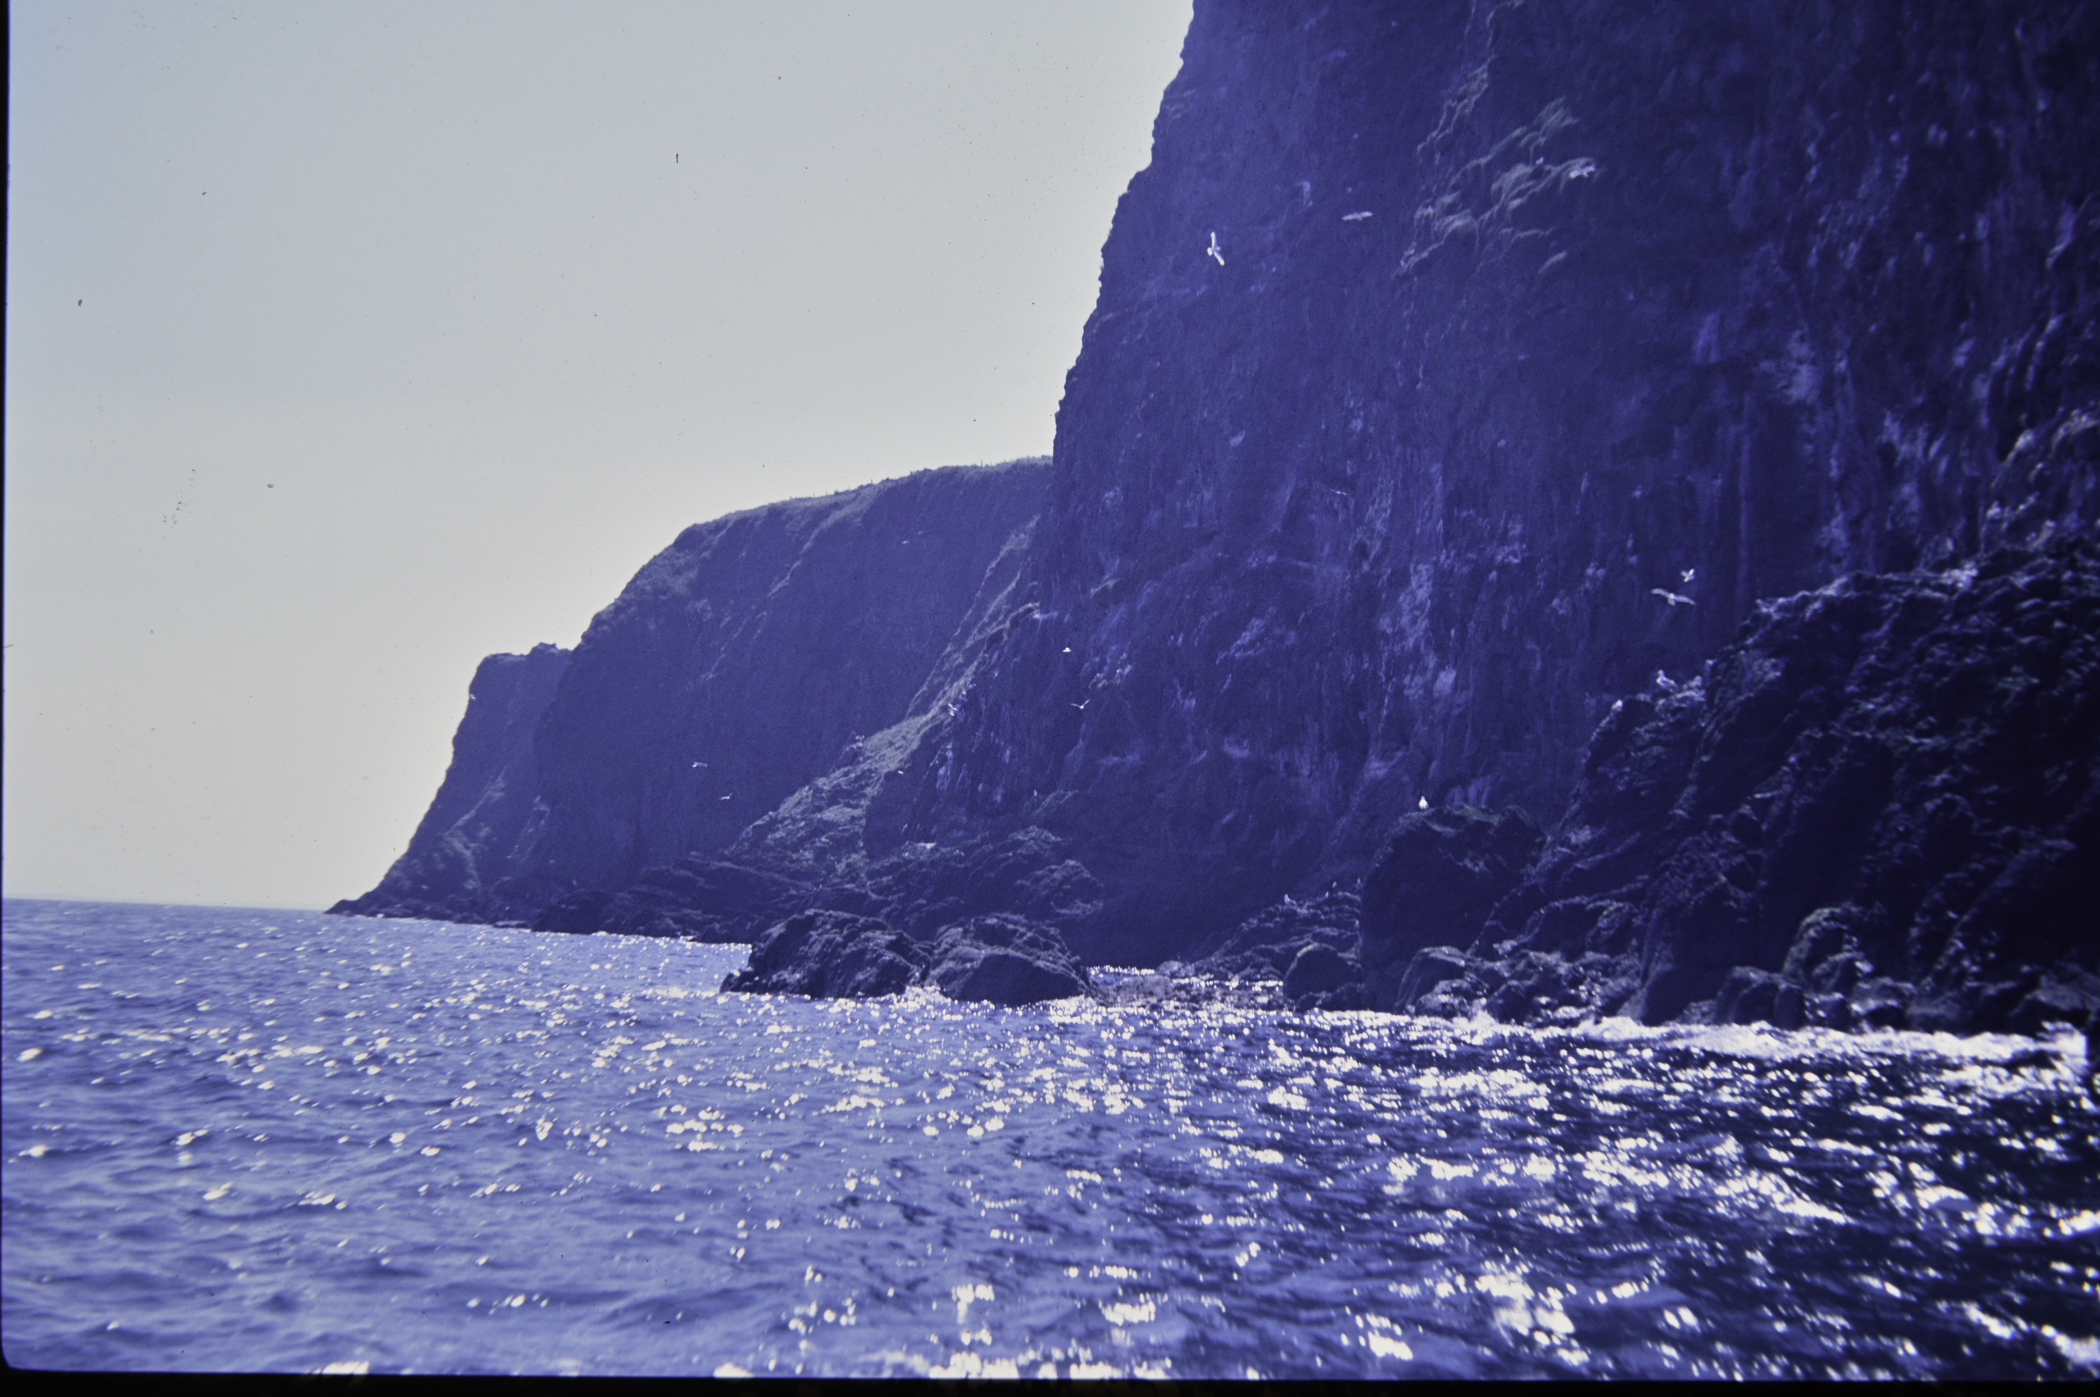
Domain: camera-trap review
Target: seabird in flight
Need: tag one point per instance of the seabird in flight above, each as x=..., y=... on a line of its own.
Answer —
x=1213, y=249
x=1673, y=598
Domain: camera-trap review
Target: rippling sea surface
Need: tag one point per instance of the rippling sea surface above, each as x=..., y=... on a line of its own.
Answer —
x=240, y=1140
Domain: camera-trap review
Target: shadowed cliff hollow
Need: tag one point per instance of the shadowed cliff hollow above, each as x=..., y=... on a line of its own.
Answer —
x=1458, y=369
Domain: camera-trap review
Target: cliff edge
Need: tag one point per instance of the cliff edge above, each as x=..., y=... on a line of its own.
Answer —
x=739, y=664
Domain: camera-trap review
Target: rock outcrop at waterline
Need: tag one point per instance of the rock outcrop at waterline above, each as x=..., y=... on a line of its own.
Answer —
x=1458, y=369
x=1877, y=808
x=1881, y=808
x=841, y=955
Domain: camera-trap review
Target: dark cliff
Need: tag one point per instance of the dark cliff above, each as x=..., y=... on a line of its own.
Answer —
x=734, y=668
x=1879, y=806
x=489, y=801
x=1540, y=342
x=1464, y=376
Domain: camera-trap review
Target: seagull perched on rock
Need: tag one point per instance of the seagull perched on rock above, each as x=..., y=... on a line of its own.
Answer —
x=1673, y=598
x=1422, y=803
x=1664, y=682
x=1213, y=249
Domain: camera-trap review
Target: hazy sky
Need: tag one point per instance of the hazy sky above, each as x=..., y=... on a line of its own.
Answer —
x=349, y=342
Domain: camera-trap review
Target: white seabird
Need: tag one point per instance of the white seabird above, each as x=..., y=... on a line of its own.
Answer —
x=1673, y=598
x=1356, y=217
x=1688, y=574
x=1213, y=248
x=1422, y=803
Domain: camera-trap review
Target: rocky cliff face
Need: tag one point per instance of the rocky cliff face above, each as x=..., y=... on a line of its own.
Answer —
x=1878, y=807
x=488, y=805
x=1538, y=344
x=1464, y=375
x=734, y=668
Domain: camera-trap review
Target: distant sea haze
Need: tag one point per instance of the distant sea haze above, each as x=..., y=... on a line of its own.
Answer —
x=282, y=1142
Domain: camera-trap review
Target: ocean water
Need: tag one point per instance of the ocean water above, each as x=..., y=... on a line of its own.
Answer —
x=272, y=1141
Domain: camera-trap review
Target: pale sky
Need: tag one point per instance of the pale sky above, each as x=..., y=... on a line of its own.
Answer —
x=350, y=342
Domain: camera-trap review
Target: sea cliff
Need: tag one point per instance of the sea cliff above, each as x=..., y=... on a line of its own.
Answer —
x=740, y=663
x=1464, y=379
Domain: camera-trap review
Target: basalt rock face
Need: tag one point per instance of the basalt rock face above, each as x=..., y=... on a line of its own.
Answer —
x=1457, y=367
x=734, y=668
x=487, y=805
x=1879, y=807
